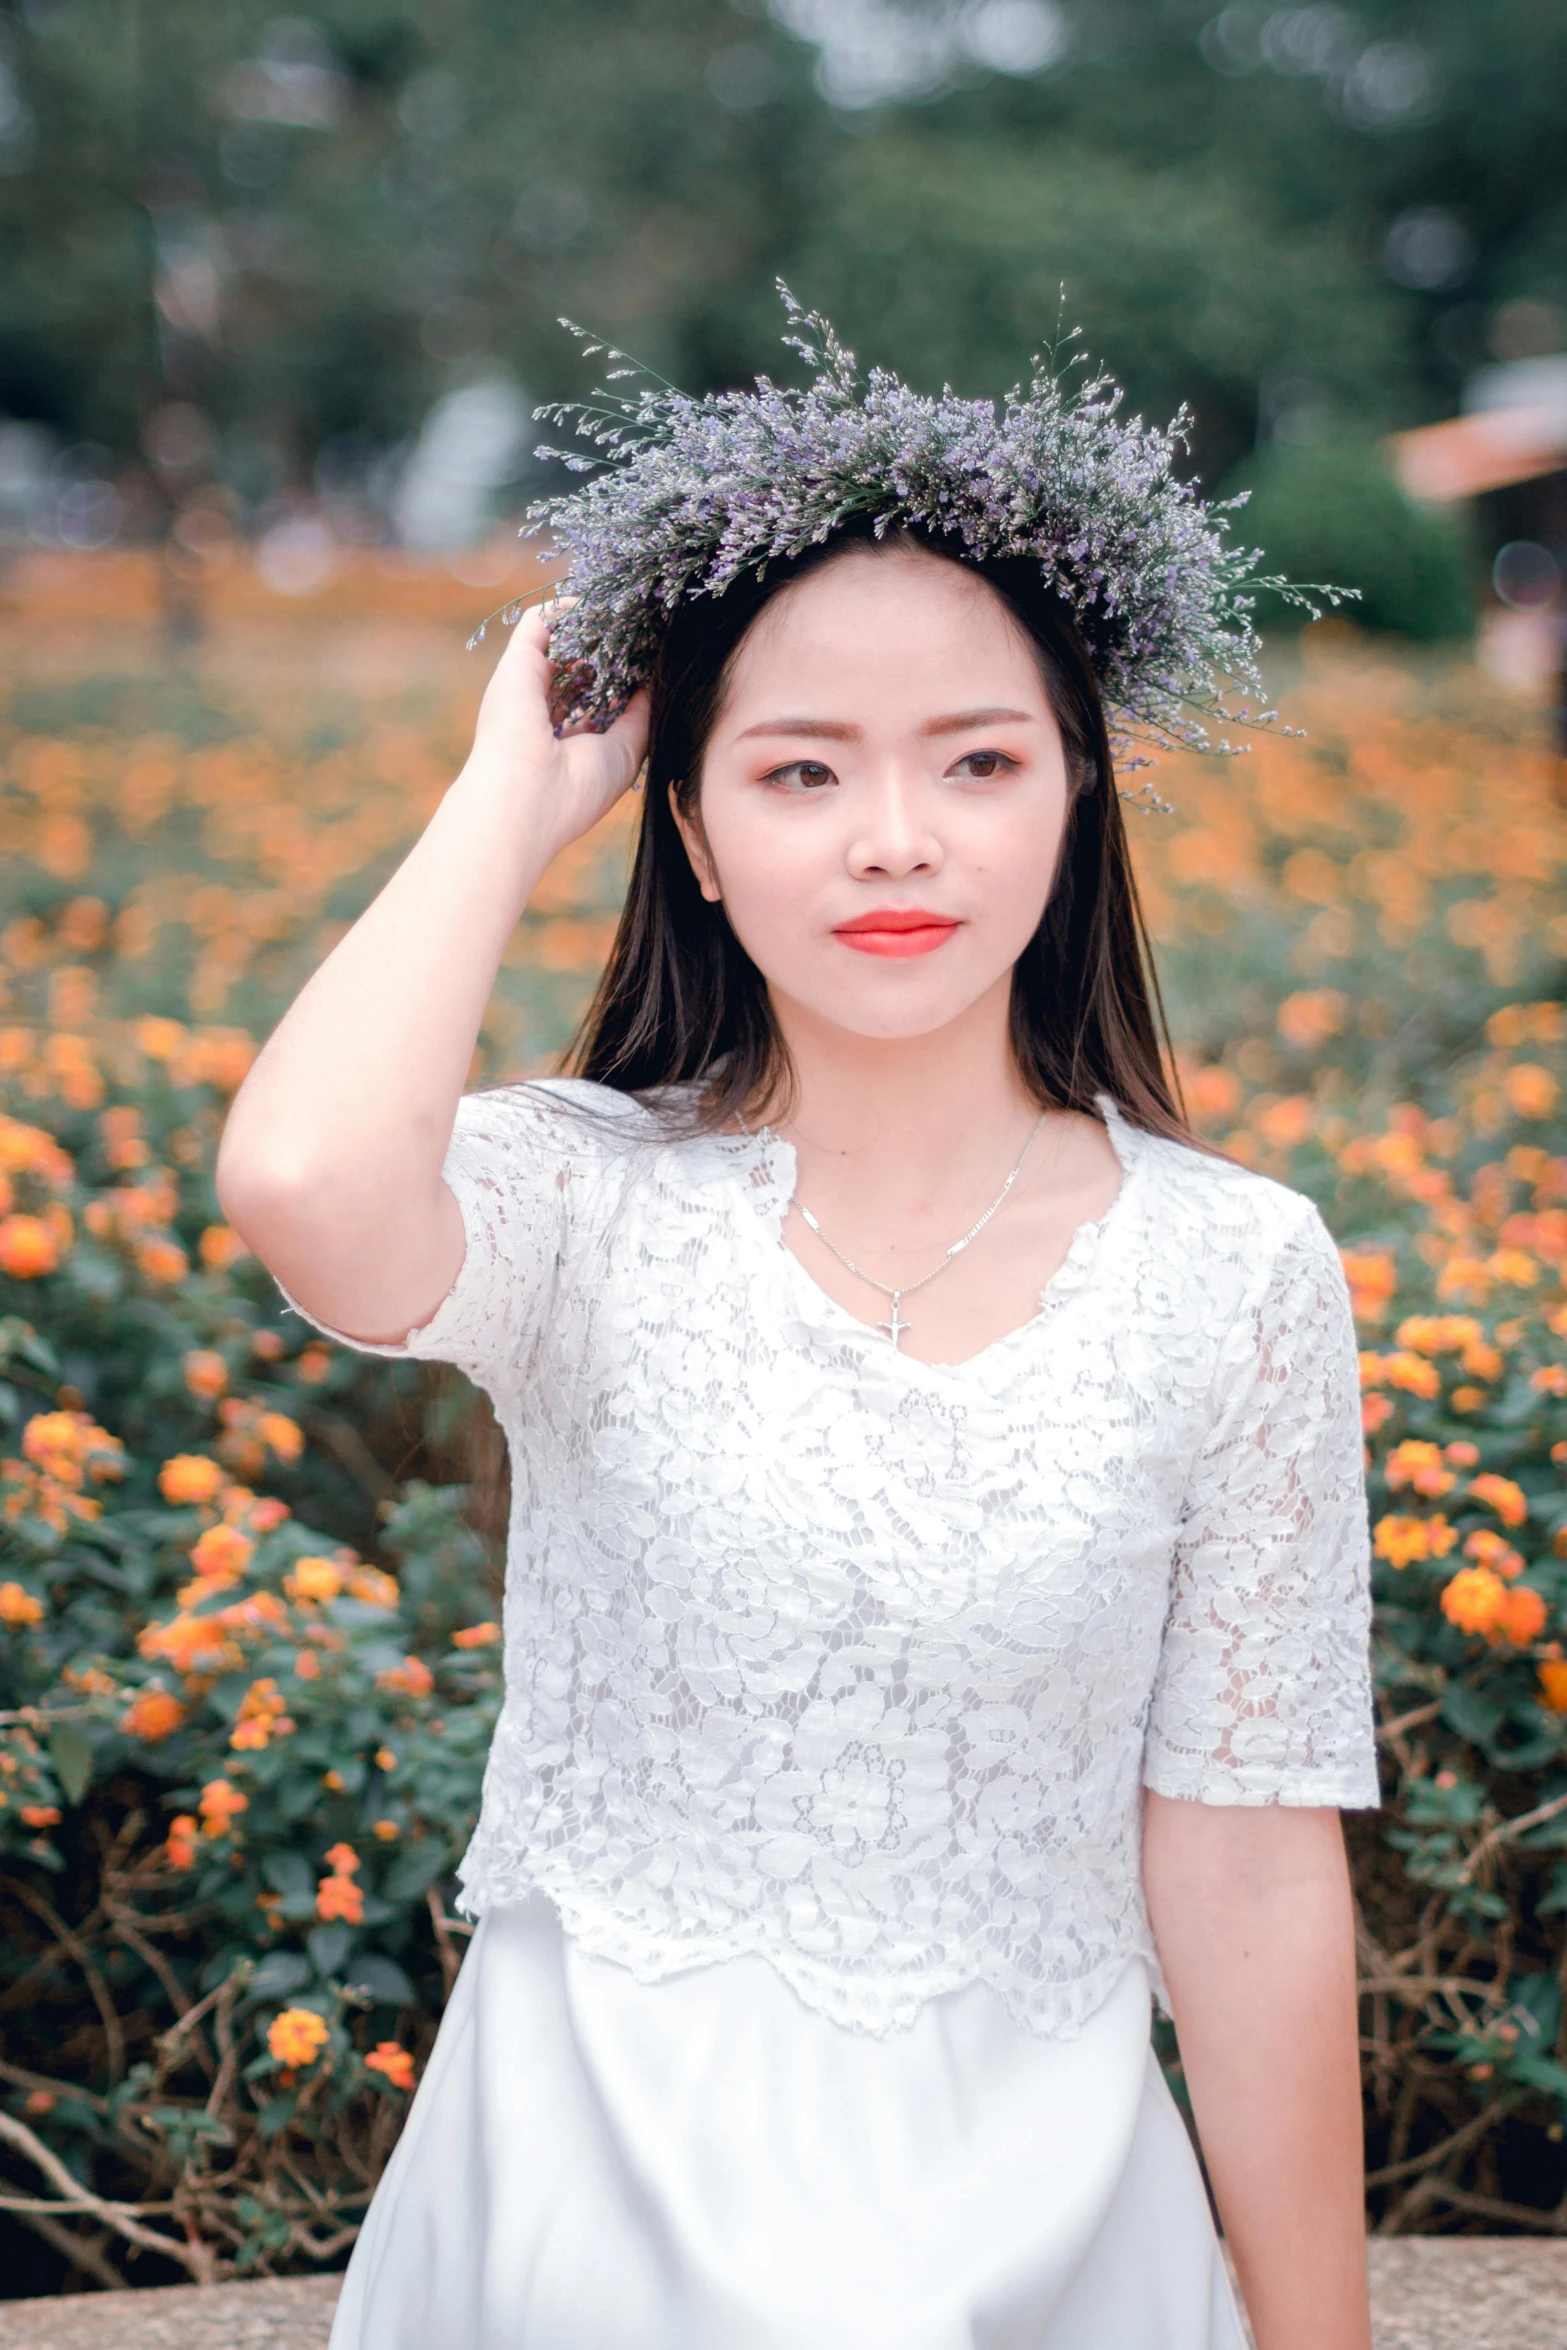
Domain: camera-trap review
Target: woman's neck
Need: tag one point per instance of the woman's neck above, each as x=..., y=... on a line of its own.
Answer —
x=909, y=1118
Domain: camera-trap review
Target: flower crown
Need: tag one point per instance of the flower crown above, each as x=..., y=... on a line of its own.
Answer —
x=688, y=493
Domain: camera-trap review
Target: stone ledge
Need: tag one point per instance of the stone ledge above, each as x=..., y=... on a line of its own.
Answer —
x=1428, y=2293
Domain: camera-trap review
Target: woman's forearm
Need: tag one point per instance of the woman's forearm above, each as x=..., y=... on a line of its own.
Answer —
x=330, y=1164
x=1255, y=1926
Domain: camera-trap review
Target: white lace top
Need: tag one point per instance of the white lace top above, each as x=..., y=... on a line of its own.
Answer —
x=817, y=1650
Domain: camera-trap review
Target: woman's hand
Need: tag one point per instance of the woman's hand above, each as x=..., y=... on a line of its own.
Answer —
x=331, y=1161
x=575, y=777
x=1251, y=1910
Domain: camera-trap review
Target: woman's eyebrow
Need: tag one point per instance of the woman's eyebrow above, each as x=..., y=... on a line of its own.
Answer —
x=828, y=729
x=959, y=721
x=838, y=731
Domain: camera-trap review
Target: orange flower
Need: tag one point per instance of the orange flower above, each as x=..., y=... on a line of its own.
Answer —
x=152, y=1715
x=1522, y=1616
x=1414, y=1374
x=395, y=2063
x=181, y=1842
x=219, y=1248
x=189, y=1477
x=27, y=1248
x=162, y=1259
x=1373, y=1280
x=206, y=1373
x=282, y=1436
x=1437, y=1334
x=69, y=1446
x=1475, y=1599
x=313, y=1580
x=1375, y=1412
x=1503, y=1496
x=387, y=1831
x=412, y=1675
x=267, y=1345
x=29, y=1150
x=476, y=1636
x=1401, y=1541
x=313, y=1365
x=1213, y=1092
x=296, y=2037
x=1311, y=1016
x=1553, y=1684
x=1531, y=1089
x=191, y=1644
x=40, y=1815
x=1549, y=1379
x=1487, y=1547
x=337, y=1896
x=1462, y=1453
x=307, y=1665
x=220, y=1804
x=372, y=1587
x=221, y=1555
x=1421, y=1465
x=262, y=1717
x=19, y=1607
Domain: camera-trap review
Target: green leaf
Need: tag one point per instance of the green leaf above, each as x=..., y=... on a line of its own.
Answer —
x=289, y=1872
x=416, y=1872
x=1472, y=1713
x=382, y=1977
x=328, y=1947
x=72, y=1759
x=280, y=1972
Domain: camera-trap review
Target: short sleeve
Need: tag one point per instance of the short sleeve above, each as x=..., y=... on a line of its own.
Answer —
x=514, y=1154
x=1263, y=1692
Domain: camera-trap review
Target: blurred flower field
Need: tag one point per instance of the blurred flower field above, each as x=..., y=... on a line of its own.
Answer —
x=248, y=1583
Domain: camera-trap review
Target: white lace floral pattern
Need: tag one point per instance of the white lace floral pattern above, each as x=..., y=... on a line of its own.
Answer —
x=816, y=1650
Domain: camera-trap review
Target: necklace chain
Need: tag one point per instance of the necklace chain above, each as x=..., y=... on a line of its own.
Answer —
x=895, y=1325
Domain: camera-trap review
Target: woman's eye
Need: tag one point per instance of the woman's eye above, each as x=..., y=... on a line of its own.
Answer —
x=802, y=775
x=985, y=766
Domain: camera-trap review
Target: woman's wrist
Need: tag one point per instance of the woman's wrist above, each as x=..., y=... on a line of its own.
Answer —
x=517, y=811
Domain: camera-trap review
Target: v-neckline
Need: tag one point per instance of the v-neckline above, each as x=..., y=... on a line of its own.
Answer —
x=770, y=1175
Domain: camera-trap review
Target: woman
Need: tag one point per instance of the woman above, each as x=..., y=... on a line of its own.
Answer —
x=936, y=1610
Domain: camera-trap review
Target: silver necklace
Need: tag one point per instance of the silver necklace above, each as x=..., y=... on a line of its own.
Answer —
x=895, y=1325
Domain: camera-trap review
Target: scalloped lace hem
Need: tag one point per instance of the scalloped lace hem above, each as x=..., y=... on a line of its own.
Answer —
x=876, y=2005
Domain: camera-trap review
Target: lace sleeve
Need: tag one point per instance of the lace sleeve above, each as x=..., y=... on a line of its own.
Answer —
x=1263, y=1690
x=507, y=1165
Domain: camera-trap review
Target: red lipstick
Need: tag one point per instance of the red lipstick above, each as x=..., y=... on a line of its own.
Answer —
x=898, y=931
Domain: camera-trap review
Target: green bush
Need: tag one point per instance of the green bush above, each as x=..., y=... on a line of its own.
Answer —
x=1331, y=511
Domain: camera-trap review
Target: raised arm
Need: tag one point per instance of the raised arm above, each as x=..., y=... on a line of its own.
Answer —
x=330, y=1167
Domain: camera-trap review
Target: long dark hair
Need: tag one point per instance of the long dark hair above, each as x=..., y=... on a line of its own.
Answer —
x=681, y=1002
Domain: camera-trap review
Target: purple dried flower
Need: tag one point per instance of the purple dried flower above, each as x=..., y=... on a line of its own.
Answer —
x=688, y=494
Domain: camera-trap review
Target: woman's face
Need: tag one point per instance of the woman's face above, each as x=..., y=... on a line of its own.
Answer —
x=883, y=795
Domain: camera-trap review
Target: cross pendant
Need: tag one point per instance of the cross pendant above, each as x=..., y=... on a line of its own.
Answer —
x=895, y=1325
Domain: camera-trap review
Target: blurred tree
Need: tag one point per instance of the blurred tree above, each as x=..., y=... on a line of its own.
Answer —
x=952, y=260
x=305, y=227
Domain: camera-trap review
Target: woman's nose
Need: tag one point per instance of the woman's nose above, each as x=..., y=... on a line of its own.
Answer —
x=894, y=835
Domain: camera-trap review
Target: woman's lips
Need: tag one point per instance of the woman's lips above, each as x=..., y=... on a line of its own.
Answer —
x=896, y=932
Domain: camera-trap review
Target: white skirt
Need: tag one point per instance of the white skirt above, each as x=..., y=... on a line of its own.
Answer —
x=704, y=2163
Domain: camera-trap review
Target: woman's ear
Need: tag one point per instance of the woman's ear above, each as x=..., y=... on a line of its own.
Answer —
x=689, y=827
